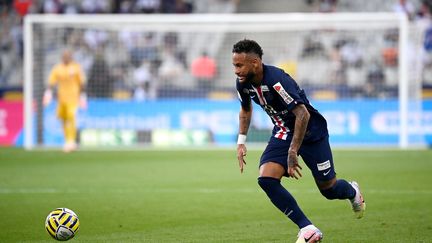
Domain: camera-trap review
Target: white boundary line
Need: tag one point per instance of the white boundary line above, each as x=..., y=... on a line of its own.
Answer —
x=197, y=190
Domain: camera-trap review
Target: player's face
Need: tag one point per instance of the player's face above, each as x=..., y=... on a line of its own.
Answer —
x=245, y=66
x=67, y=57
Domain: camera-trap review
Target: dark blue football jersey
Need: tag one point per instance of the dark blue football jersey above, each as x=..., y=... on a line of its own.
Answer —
x=278, y=95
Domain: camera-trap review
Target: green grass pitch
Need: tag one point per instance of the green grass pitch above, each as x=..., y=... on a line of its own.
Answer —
x=200, y=196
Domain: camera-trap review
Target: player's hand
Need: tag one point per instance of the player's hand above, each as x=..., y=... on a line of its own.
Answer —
x=241, y=153
x=293, y=165
x=47, y=97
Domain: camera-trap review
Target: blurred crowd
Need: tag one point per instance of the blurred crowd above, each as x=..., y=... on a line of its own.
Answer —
x=23, y=7
x=352, y=61
x=147, y=56
x=146, y=65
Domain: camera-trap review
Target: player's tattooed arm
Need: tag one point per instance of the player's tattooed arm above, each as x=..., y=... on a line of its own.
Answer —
x=245, y=117
x=302, y=118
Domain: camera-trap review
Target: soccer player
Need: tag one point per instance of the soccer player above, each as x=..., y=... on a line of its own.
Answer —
x=299, y=129
x=69, y=79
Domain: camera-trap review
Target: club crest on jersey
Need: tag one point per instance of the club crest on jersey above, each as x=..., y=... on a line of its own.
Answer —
x=246, y=91
x=264, y=88
x=285, y=96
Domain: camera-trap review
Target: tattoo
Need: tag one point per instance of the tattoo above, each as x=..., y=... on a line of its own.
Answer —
x=291, y=159
x=301, y=122
x=244, y=120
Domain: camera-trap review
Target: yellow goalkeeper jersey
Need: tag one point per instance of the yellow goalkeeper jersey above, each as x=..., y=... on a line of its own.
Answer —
x=68, y=79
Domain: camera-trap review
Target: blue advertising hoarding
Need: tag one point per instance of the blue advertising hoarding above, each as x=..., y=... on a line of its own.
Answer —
x=351, y=122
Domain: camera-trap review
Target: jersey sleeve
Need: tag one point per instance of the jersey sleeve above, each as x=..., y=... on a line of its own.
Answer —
x=243, y=95
x=288, y=91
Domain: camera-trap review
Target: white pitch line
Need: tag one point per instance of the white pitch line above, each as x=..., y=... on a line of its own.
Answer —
x=198, y=190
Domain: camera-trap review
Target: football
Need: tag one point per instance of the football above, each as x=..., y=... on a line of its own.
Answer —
x=62, y=224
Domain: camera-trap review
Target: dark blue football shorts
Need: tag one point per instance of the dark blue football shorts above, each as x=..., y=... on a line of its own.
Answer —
x=317, y=156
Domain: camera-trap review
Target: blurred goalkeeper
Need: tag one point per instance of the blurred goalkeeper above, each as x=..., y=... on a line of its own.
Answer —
x=69, y=78
x=299, y=129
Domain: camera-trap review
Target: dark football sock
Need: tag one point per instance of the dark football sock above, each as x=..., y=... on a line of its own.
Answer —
x=283, y=200
x=341, y=190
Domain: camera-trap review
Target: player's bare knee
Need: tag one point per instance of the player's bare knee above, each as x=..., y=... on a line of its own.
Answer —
x=271, y=169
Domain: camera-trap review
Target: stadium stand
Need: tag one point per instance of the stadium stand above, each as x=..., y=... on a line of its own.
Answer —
x=91, y=45
x=350, y=62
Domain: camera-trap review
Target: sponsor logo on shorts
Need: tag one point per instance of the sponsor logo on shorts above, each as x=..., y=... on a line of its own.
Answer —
x=324, y=165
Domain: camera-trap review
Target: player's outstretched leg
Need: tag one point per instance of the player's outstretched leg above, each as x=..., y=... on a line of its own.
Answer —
x=309, y=234
x=358, y=204
x=341, y=189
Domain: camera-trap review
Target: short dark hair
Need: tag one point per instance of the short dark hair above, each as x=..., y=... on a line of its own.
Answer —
x=248, y=46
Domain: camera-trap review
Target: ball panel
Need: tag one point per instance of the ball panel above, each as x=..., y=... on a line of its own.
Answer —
x=73, y=224
x=50, y=231
x=56, y=212
x=69, y=211
x=64, y=233
x=51, y=225
x=65, y=219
